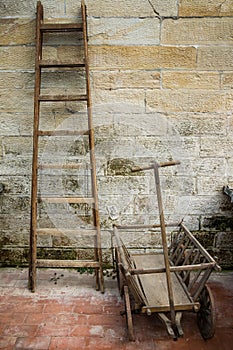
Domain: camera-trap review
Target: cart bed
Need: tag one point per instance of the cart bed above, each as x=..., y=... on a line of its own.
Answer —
x=154, y=285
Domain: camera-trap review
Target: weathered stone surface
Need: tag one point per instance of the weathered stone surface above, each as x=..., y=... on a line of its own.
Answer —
x=191, y=80
x=215, y=58
x=17, y=80
x=124, y=31
x=17, y=57
x=134, y=57
x=227, y=80
x=119, y=8
x=111, y=80
x=131, y=101
x=215, y=146
x=193, y=31
x=12, y=99
x=167, y=8
x=17, y=31
x=213, y=185
x=205, y=8
x=27, y=8
x=162, y=89
x=17, y=146
x=186, y=101
x=196, y=124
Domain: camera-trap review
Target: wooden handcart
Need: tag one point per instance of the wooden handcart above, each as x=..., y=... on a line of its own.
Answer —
x=168, y=283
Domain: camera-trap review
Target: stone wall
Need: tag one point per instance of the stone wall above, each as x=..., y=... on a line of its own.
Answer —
x=162, y=79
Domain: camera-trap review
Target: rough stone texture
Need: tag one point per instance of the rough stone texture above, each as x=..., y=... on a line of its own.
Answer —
x=136, y=57
x=161, y=75
x=166, y=101
x=215, y=58
x=191, y=80
x=205, y=8
x=124, y=31
x=209, y=31
x=138, y=79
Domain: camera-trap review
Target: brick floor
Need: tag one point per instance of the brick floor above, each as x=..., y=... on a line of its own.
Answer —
x=72, y=315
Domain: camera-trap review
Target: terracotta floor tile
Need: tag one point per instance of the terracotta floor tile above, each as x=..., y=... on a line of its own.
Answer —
x=77, y=317
x=7, y=343
x=36, y=343
x=68, y=343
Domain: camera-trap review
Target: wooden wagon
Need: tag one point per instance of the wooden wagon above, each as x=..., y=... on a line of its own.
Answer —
x=168, y=283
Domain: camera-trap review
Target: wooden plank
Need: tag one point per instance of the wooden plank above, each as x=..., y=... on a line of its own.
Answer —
x=73, y=200
x=155, y=285
x=65, y=166
x=63, y=231
x=60, y=98
x=66, y=263
x=166, y=308
x=63, y=132
x=61, y=27
x=55, y=64
x=141, y=227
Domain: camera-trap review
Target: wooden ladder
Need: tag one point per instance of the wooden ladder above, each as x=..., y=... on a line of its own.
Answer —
x=95, y=263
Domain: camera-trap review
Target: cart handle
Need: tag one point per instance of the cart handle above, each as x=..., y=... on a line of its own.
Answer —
x=155, y=164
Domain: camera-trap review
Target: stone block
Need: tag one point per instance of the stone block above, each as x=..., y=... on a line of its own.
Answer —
x=16, y=80
x=134, y=57
x=197, y=31
x=17, y=57
x=167, y=8
x=17, y=146
x=206, y=8
x=124, y=31
x=186, y=101
x=119, y=8
x=16, y=185
x=196, y=124
x=210, y=184
x=224, y=240
x=215, y=58
x=191, y=80
x=116, y=101
x=16, y=100
x=205, y=205
x=227, y=80
x=16, y=166
x=17, y=31
x=127, y=79
x=26, y=8
x=211, y=166
x=216, y=147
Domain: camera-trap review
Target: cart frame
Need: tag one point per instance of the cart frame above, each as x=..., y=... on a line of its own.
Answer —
x=183, y=270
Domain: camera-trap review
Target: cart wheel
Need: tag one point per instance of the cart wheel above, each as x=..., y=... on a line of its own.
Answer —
x=206, y=317
x=128, y=314
x=120, y=277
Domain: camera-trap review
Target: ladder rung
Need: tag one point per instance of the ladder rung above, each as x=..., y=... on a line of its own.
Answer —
x=65, y=166
x=54, y=64
x=66, y=263
x=63, y=231
x=56, y=98
x=73, y=200
x=61, y=27
x=62, y=132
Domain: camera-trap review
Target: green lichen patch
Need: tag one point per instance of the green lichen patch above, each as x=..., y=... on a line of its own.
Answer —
x=121, y=167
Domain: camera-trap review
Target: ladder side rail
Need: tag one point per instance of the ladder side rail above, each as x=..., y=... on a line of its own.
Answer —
x=34, y=186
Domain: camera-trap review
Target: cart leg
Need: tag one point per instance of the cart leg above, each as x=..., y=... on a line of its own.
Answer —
x=168, y=324
x=128, y=314
x=178, y=325
x=206, y=317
